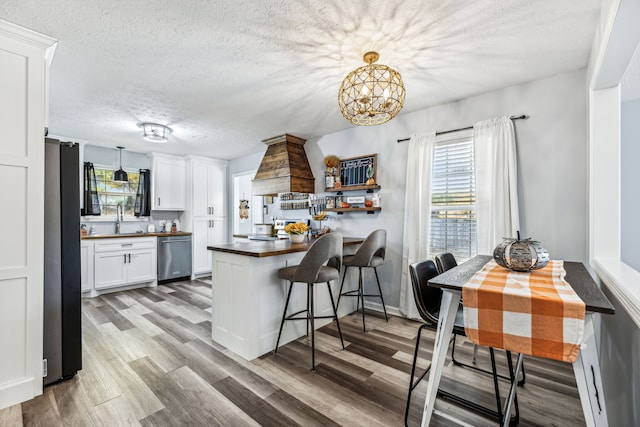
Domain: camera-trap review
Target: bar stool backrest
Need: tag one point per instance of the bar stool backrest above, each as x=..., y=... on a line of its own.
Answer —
x=374, y=245
x=427, y=298
x=326, y=249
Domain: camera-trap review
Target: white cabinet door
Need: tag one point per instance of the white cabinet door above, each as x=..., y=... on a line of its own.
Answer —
x=200, y=236
x=200, y=183
x=168, y=183
x=218, y=189
x=22, y=109
x=86, y=265
x=209, y=187
x=110, y=269
x=217, y=232
x=141, y=266
x=206, y=231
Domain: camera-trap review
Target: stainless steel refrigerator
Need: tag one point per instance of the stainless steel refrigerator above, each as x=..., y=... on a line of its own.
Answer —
x=62, y=350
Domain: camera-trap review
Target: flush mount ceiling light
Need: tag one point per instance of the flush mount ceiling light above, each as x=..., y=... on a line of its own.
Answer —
x=155, y=132
x=372, y=94
x=120, y=175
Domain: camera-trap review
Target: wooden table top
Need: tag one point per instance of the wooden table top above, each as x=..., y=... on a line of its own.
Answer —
x=261, y=249
x=577, y=276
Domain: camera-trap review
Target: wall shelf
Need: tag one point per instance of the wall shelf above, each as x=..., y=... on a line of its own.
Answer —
x=352, y=188
x=340, y=211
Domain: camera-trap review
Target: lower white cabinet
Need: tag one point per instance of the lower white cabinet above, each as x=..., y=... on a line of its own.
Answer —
x=86, y=265
x=122, y=262
x=207, y=231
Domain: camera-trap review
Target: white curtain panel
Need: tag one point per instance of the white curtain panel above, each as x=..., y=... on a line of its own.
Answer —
x=417, y=214
x=496, y=182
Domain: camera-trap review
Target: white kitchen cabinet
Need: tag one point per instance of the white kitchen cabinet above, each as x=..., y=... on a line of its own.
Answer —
x=86, y=265
x=123, y=262
x=206, y=209
x=24, y=57
x=208, y=187
x=167, y=182
x=207, y=231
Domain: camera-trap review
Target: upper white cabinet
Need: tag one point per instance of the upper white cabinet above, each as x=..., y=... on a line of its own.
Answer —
x=209, y=186
x=167, y=182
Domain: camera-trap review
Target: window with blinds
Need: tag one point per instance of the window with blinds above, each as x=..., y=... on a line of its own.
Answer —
x=453, y=198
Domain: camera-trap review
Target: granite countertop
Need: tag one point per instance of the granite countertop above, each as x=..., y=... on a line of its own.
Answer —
x=261, y=249
x=127, y=235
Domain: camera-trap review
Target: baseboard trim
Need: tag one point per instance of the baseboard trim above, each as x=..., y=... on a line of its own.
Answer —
x=376, y=306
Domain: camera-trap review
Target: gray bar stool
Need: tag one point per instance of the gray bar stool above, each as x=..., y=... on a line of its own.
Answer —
x=312, y=269
x=370, y=254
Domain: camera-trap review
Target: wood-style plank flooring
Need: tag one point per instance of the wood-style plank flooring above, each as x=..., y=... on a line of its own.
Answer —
x=149, y=360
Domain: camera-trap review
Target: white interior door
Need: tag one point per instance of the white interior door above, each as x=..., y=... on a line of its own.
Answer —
x=242, y=190
x=22, y=85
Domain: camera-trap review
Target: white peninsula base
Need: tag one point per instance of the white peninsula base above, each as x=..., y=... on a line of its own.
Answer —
x=248, y=299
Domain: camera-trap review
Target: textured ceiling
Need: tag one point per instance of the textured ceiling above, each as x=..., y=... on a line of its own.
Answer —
x=227, y=74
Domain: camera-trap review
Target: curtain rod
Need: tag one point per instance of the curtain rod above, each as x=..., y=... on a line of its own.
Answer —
x=443, y=132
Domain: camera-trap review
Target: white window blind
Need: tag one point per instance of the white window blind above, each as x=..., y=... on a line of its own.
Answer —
x=453, y=198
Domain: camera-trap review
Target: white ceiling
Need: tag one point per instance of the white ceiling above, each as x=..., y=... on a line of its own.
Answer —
x=227, y=74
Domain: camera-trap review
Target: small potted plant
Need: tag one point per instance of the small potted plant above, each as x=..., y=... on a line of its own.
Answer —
x=296, y=231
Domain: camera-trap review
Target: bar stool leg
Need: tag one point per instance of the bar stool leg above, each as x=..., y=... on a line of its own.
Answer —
x=341, y=285
x=284, y=314
x=311, y=319
x=308, y=315
x=335, y=313
x=380, y=290
x=361, y=296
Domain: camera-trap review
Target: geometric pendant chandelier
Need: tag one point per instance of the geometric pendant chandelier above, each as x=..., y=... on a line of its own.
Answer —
x=372, y=94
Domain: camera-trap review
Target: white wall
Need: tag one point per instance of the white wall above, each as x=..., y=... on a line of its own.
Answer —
x=629, y=182
x=130, y=161
x=110, y=157
x=552, y=153
x=617, y=38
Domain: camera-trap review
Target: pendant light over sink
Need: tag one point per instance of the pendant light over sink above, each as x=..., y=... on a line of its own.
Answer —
x=120, y=175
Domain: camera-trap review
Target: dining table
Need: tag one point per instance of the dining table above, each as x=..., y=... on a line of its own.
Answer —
x=586, y=367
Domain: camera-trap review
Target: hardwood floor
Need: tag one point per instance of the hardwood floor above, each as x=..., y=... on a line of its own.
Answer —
x=149, y=360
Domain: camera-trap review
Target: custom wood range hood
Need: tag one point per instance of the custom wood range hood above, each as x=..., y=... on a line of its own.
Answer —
x=284, y=168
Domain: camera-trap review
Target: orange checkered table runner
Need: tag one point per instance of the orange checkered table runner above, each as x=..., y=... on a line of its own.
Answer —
x=535, y=313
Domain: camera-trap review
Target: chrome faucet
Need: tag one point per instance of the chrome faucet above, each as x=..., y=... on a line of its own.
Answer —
x=119, y=217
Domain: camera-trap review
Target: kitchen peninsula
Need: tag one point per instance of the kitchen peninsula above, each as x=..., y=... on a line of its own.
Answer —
x=248, y=298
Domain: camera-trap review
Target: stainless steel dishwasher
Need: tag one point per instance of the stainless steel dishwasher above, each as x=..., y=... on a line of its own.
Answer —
x=174, y=257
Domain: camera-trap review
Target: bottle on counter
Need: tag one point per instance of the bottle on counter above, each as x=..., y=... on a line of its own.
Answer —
x=174, y=228
x=83, y=229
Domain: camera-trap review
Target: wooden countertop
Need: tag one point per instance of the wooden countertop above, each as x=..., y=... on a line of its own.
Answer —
x=127, y=235
x=261, y=249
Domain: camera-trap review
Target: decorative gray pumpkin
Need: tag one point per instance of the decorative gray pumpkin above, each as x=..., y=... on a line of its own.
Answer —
x=521, y=255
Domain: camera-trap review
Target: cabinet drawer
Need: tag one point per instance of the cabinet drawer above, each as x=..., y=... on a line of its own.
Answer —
x=109, y=245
